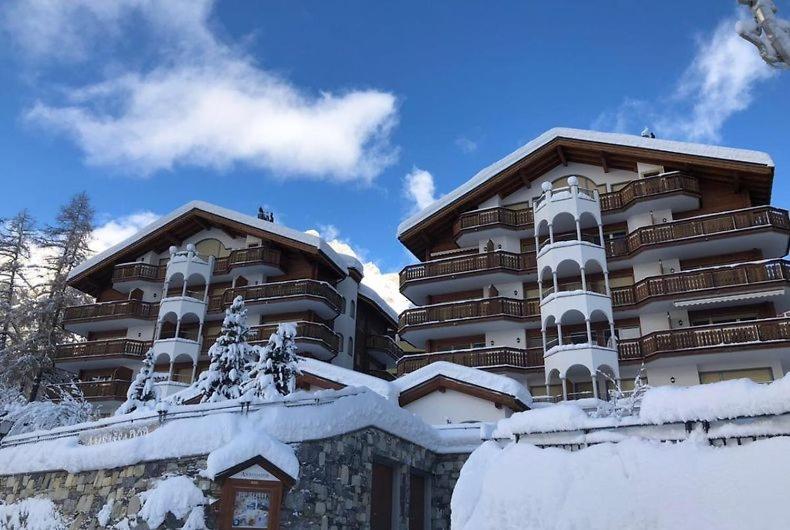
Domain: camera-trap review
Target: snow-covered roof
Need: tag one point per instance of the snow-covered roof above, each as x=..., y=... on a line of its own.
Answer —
x=373, y=296
x=341, y=260
x=627, y=140
x=465, y=374
x=348, y=377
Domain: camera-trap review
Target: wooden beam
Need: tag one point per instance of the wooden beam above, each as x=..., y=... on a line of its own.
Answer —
x=604, y=162
x=561, y=154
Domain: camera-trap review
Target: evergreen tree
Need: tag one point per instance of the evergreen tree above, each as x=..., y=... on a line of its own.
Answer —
x=16, y=236
x=141, y=393
x=229, y=357
x=274, y=374
x=66, y=244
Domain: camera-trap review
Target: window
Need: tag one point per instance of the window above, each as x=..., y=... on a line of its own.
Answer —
x=212, y=247
x=352, y=309
x=540, y=390
x=350, y=346
x=758, y=375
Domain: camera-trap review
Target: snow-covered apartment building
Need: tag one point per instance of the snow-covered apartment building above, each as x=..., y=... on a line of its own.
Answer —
x=167, y=287
x=531, y=267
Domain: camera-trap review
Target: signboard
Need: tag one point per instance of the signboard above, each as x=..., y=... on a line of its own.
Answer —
x=255, y=472
x=251, y=509
x=116, y=433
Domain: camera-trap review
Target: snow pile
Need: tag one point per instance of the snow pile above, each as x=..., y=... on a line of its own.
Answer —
x=725, y=400
x=177, y=495
x=472, y=376
x=248, y=444
x=560, y=417
x=347, y=377
x=299, y=417
x=104, y=514
x=635, y=483
x=31, y=514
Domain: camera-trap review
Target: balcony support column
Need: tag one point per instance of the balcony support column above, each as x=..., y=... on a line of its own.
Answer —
x=578, y=230
x=584, y=279
x=564, y=390
x=606, y=283
x=543, y=334
x=559, y=334
x=554, y=280
x=540, y=289
x=170, y=371
x=613, y=337
x=194, y=371
x=589, y=331
x=551, y=234
x=205, y=292
x=537, y=242
x=178, y=327
x=600, y=235
x=595, y=386
x=158, y=330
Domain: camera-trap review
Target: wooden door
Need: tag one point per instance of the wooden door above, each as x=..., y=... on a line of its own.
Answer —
x=417, y=502
x=381, y=498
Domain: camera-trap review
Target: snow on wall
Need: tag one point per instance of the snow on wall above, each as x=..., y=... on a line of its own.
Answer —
x=177, y=495
x=31, y=514
x=348, y=377
x=631, y=484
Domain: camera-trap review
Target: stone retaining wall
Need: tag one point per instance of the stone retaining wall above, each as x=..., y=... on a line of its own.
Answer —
x=332, y=492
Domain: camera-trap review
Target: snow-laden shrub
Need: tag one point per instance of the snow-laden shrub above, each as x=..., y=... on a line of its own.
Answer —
x=31, y=514
x=177, y=495
x=71, y=408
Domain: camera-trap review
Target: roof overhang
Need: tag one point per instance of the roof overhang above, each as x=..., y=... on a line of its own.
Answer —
x=751, y=170
x=441, y=383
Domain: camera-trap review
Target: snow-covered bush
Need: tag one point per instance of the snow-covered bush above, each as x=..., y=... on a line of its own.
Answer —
x=177, y=495
x=141, y=393
x=621, y=402
x=274, y=373
x=230, y=355
x=31, y=514
x=69, y=408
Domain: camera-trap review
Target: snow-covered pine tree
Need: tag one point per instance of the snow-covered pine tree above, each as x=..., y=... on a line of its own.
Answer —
x=141, y=393
x=229, y=357
x=274, y=374
x=67, y=243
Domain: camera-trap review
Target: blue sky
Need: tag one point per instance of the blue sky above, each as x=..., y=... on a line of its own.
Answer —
x=322, y=110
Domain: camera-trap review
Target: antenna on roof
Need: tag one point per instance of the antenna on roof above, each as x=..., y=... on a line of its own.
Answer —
x=265, y=215
x=647, y=133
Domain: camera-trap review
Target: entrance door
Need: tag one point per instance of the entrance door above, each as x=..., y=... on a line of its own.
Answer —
x=381, y=498
x=416, y=502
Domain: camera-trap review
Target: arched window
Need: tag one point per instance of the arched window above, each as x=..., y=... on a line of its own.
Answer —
x=350, y=346
x=352, y=309
x=212, y=247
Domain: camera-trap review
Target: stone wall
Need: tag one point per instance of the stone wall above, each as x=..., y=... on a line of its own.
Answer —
x=332, y=492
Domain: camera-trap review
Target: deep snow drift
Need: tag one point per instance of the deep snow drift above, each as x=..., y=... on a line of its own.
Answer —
x=631, y=484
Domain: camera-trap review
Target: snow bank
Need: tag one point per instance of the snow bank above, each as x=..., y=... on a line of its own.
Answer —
x=348, y=377
x=177, y=495
x=31, y=514
x=328, y=413
x=473, y=376
x=634, y=483
x=560, y=417
x=728, y=399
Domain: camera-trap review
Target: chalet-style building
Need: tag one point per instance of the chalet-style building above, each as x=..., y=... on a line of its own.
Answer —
x=167, y=287
x=583, y=255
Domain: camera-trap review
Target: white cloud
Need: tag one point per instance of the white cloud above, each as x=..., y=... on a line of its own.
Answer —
x=718, y=83
x=386, y=284
x=116, y=230
x=419, y=187
x=465, y=144
x=203, y=103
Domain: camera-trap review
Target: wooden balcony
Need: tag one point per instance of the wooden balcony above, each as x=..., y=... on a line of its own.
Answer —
x=138, y=272
x=470, y=264
x=699, y=228
x=752, y=334
x=288, y=297
x=80, y=351
x=633, y=192
x=248, y=257
x=482, y=358
x=384, y=344
x=718, y=281
x=112, y=389
x=312, y=338
x=484, y=308
x=123, y=309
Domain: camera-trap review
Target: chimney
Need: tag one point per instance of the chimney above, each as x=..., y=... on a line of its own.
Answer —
x=647, y=133
x=265, y=215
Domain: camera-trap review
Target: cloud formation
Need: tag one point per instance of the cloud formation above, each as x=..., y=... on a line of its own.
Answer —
x=418, y=187
x=719, y=82
x=116, y=230
x=201, y=102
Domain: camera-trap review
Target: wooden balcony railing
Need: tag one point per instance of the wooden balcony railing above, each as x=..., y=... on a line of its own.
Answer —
x=634, y=191
x=470, y=309
x=719, y=278
x=101, y=348
x=127, y=272
x=247, y=257
x=702, y=226
x=482, y=358
x=384, y=343
x=110, y=389
x=109, y=310
x=647, y=188
x=270, y=292
x=313, y=331
x=486, y=262
x=752, y=333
